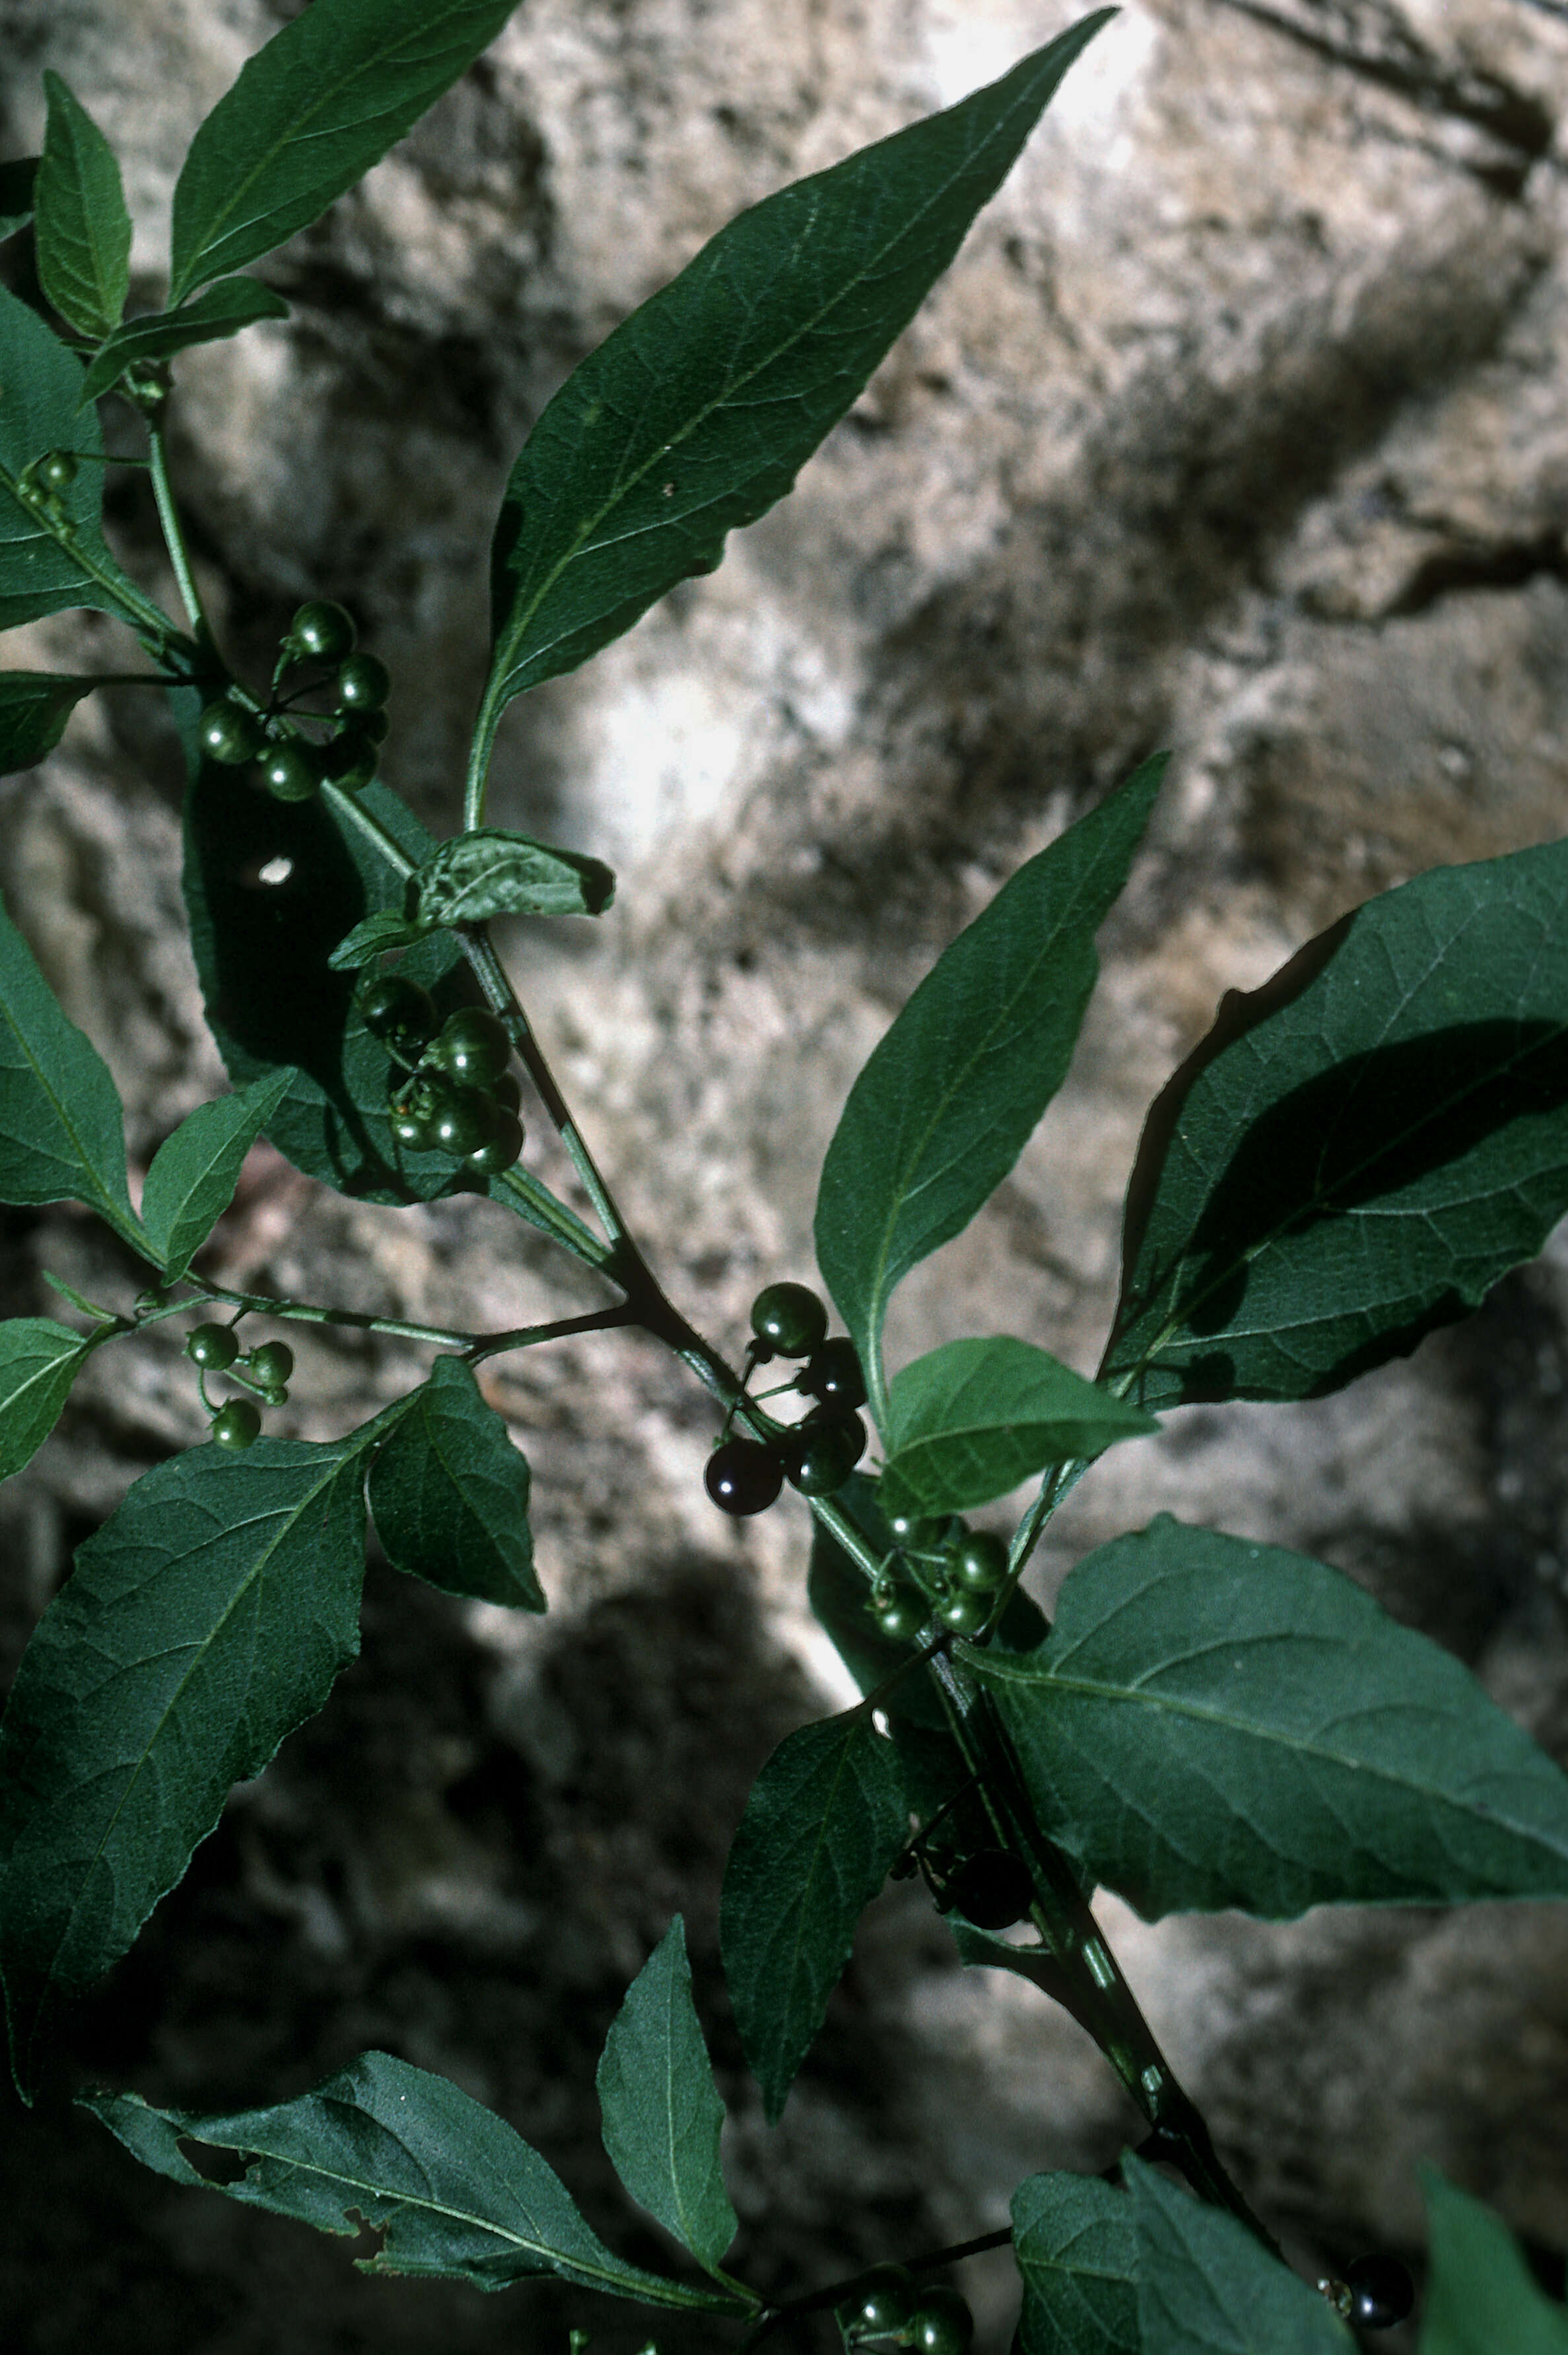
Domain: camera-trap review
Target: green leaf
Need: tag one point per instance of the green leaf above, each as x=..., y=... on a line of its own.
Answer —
x=63, y=1129
x=271, y=890
x=40, y=382
x=1357, y=1150
x=489, y=873
x=949, y=1098
x=82, y=228
x=825, y=1821
x=1207, y=2287
x=450, y=1494
x=222, y=310
x=34, y=708
x=458, y=2195
x=697, y=414
x=971, y=1420
x=371, y=938
x=1077, y=2252
x=17, y=182
x=1212, y=1723
x=1481, y=2296
x=206, y=1618
x=662, y=2115
x=191, y=1182
x=310, y=113
x=38, y=1362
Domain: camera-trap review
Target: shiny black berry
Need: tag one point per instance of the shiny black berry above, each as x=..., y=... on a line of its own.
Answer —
x=885, y=2304
x=505, y=1092
x=322, y=629
x=833, y=1376
x=824, y=1451
x=941, y=2325
x=230, y=734
x=364, y=683
x=471, y=1046
x=56, y=470
x=272, y=1364
x=992, y=1889
x=1382, y=2292
x=398, y=1012
x=790, y=1318
x=980, y=1561
x=237, y=1425
x=350, y=760
x=742, y=1476
x=464, y=1122
x=212, y=1347
x=501, y=1149
x=291, y=771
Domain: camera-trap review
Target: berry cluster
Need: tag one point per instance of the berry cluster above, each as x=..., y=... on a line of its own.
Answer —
x=818, y=1454
x=294, y=765
x=453, y=1093
x=958, y=1572
x=889, y=2306
x=215, y=1350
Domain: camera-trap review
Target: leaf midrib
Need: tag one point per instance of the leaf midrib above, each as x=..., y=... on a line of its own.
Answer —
x=506, y=664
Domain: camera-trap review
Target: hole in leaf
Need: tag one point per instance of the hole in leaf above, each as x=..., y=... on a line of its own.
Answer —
x=213, y=2164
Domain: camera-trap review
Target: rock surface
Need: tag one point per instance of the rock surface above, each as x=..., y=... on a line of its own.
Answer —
x=1240, y=425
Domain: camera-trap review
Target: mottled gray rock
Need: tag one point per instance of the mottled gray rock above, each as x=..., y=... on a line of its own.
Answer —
x=1240, y=425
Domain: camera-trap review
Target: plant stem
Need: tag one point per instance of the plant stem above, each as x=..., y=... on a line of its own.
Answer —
x=839, y=2293
x=349, y=806
x=534, y=1201
x=174, y=532
x=502, y=999
x=300, y=1312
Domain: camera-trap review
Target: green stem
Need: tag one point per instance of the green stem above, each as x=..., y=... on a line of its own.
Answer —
x=174, y=533
x=300, y=1312
x=479, y=751
x=839, y=2293
x=533, y=1200
x=524, y=1336
x=349, y=806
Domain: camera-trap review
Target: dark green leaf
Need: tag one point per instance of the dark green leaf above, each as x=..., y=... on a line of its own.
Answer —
x=325, y=99
x=1077, y=2253
x=62, y=1131
x=1211, y=1724
x=271, y=888
x=18, y=181
x=34, y=708
x=456, y=2192
x=662, y=2114
x=973, y=1419
x=1360, y=1150
x=191, y=1182
x=222, y=310
x=697, y=414
x=82, y=231
x=950, y=1097
x=38, y=1362
x=371, y=938
x=1207, y=2287
x=206, y=1618
x=1481, y=2296
x=824, y=1823
x=40, y=382
x=488, y=873
x=450, y=1494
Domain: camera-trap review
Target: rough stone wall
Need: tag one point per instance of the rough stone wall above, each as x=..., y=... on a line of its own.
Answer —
x=1240, y=425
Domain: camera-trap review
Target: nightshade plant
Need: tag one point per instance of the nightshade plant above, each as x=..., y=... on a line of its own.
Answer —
x=1354, y=1155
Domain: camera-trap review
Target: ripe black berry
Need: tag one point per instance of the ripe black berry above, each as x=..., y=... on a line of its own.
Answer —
x=942, y=2324
x=472, y=1046
x=992, y=1889
x=824, y=1451
x=1382, y=2292
x=742, y=1476
x=833, y=1376
x=501, y=1148
x=790, y=1319
x=464, y=1122
x=398, y=1012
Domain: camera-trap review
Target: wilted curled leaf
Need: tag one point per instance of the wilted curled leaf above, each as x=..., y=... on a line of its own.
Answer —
x=492, y=873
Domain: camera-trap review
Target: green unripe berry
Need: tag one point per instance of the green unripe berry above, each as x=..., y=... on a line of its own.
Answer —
x=230, y=734
x=56, y=470
x=790, y=1318
x=501, y=1149
x=471, y=1046
x=364, y=683
x=237, y=1425
x=942, y=2325
x=321, y=630
x=914, y=1529
x=462, y=1124
x=904, y=1616
x=212, y=1347
x=964, y=1612
x=398, y=1012
x=411, y=1129
x=350, y=758
x=885, y=2304
x=505, y=1093
x=272, y=1364
x=980, y=1563
x=291, y=772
